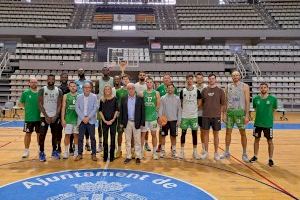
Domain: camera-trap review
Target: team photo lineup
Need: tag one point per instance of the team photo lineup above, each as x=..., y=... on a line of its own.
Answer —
x=117, y=107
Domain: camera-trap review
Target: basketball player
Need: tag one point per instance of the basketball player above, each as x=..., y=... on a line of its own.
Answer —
x=237, y=112
x=29, y=100
x=50, y=98
x=213, y=101
x=264, y=105
x=152, y=103
x=140, y=87
x=121, y=93
x=190, y=99
x=117, y=85
x=69, y=119
x=100, y=84
x=162, y=89
x=170, y=106
x=80, y=82
x=200, y=86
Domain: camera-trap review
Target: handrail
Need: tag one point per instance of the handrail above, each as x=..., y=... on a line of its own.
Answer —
x=239, y=65
x=254, y=66
x=4, y=62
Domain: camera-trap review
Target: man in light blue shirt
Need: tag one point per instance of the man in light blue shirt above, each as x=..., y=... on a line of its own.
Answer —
x=86, y=109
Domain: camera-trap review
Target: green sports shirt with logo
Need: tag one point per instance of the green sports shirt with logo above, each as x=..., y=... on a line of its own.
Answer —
x=71, y=115
x=30, y=100
x=150, y=105
x=264, y=108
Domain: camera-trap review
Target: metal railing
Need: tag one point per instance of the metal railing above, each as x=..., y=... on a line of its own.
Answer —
x=254, y=66
x=4, y=62
x=239, y=65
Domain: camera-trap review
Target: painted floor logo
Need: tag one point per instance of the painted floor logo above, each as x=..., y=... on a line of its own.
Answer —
x=98, y=184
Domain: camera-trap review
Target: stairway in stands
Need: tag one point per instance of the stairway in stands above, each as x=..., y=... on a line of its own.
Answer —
x=265, y=15
x=5, y=73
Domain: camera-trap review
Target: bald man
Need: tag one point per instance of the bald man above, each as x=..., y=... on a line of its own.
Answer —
x=29, y=100
x=132, y=117
x=237, y=112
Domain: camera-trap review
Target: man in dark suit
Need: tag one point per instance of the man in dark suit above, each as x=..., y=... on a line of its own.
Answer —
x=132, y=117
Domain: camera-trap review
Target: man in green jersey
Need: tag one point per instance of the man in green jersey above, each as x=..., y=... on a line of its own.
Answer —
x=151, y=102
x=162, y=89
x=264, y=105
x=121, y=93
x=69, y=118
x=29, y=100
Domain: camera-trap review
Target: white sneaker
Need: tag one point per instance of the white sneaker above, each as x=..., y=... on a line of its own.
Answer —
x=245, y=158
x=155, y=156
x=181, y=155
x=195, y=155
x=225, y=155
x=216, y=157
x=174, y=154
x=162, y=153
x=204, y=155
x=66, y=155
x=25, y=154
x=75, y=154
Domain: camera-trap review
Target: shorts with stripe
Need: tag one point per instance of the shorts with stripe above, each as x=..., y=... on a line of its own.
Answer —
x=268, y=132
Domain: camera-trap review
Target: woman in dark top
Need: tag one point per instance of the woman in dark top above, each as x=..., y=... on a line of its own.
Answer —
x=108, y=111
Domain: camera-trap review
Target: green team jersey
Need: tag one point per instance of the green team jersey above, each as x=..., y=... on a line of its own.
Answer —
x=162, y=89
x=120, y=93
x=150, y=105
x=30, y=100
x=71, y=115
x=264, y=111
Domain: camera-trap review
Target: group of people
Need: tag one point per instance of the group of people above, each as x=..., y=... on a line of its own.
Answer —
x=118, y=106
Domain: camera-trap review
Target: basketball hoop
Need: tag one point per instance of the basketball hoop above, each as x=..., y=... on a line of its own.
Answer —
x=123, y=64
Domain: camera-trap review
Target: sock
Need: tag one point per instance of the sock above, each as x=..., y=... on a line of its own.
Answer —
x=154, y=149
x=227, y=149
x=203, y=146
x=76, y=148
x=174, y=147
x=146, y=141
x=67, y=147
x=244, y=152
x=162, y=147
x=182, y=149
x=195, y=149
x=26, y=149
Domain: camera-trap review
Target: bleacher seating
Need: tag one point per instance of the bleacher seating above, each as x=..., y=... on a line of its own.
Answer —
x=197, y=53
x=219, y=17
x=286, y=13
x=66, y=52
x=274, y=53
x=35, y=15
x=103, y=21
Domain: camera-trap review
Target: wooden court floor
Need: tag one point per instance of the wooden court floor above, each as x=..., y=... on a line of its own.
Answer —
x=226, y=179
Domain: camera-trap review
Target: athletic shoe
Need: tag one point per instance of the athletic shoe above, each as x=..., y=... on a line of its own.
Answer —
x=100, y=148
x=162, y=153
x=127, y=160
x=245, y=158
x=94, y=158
x=42, y=157
x=271, y=163
x=77, y=158
x=216, y=157
x=138, y=161
x=118, y=154
x=56, y=155
x=181, y=155
x=155, y=156
x=25, y=154
x=75, y=153
x=146, y=147
x=87, y=147
x=195, y=155
x=253, y=159
x=225, y=155
x=66, y=155
x=158, y=148
x=204, y=155
x=173, y=154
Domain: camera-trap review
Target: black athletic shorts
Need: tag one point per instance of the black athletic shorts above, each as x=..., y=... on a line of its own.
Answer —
x=214, y=123
x=172, y=126
x=200, y=121
x=268, y=132
x=29, y=127
x=55, y=127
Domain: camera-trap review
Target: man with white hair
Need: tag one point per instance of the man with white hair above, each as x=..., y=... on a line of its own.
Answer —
x=132, y=117
x=30, y=101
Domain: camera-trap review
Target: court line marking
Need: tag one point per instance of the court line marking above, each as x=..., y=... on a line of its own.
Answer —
x=6, y=123
x=262, y=176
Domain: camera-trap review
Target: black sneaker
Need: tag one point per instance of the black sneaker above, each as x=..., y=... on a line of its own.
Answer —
x=271, y=163
x=138, y=161
x=127, y=160
x=253, y=159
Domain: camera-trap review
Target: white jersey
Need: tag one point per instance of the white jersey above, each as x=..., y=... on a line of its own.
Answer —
x=200, y=111
x=50, y=101
x=189, y=103
x=139, y=88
